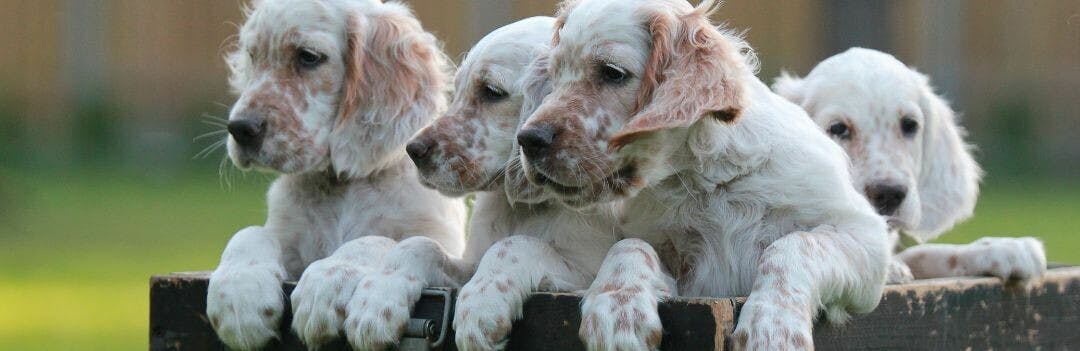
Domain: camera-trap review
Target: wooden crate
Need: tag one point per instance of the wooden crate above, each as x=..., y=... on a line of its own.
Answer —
x=939, y=314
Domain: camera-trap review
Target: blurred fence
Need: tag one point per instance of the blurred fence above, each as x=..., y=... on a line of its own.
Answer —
x=99, y=81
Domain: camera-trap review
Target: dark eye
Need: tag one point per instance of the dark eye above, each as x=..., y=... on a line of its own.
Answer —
x=908, y=126
x=611, y=73
x=491, y=93
x=840, y=130
x=309, y=59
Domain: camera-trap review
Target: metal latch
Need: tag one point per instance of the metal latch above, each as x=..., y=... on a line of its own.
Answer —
x=426, y=334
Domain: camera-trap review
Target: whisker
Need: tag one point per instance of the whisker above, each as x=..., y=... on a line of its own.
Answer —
x=209, y=149
x=210, y=134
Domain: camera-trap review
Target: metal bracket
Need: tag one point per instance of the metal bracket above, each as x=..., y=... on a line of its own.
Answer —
x=425, y=329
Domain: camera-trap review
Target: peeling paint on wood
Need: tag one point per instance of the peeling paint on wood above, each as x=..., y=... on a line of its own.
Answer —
x=950, y=314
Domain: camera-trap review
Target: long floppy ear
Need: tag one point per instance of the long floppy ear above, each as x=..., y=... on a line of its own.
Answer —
x=790, y=87
x=535, y=86
x=694, y=70
x=948, y=175
x=396, y=83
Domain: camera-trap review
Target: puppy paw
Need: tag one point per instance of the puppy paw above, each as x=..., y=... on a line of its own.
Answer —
x=620, y=318
x=380, y=308
x=245, y=306
x=772, y=325
x=320, y=300
x=898, y=272
x=486, y=308
x=1019, y=259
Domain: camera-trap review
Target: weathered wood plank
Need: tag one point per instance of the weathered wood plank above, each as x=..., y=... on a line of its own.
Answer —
x=950, y=314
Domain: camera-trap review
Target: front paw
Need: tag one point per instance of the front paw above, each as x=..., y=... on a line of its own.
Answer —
x=245, y=306
x=899, y=272
x=320, y=299
x=773, y=324
x=620, y=318
x=485, y=311
x=380, y=308
x=1020, y=259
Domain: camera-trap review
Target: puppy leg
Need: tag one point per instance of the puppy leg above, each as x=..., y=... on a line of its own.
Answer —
x=320, y=298
x=619, y=309
x=801, y=271
x=508, y=272
x=244, y=300
x=383, y=301
x=1020, y=259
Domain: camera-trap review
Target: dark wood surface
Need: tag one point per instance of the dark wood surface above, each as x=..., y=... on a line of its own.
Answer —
x=939, y=314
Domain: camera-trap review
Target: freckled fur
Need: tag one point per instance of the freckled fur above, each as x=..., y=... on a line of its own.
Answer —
x=731, y=197
x=346, y=194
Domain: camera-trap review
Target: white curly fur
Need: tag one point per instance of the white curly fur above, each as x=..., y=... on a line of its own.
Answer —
x=871, y=94
x=335, y=130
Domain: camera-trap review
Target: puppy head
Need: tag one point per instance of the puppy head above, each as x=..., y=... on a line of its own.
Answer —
x=629, y=78
x=907, y=153
x=468, y=147
x=331, y=84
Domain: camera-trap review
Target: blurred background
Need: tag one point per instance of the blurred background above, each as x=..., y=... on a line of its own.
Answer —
x=102, y=103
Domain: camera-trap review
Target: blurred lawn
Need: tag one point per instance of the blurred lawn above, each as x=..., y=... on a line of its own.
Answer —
x=77, y=250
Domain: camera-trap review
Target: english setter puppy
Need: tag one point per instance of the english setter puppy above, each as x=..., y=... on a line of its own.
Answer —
x=910, y=161
x=519, y=240
x=329, y=93
x=655, y=107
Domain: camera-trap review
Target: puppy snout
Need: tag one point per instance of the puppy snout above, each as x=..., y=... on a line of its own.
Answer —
x=248, y=131
x=886, y=198
x=536, y=141
x=419, y=150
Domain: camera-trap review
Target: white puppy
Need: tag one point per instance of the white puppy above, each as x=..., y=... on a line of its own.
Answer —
x=329, y=92
x=653, y=106
x=910, y=161
x=522, y=241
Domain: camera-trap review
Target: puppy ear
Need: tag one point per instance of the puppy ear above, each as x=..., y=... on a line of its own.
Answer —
x=790, y=87
x=561, y=12
x=948, y=175
x=396, y=82
x=535, y=85
x=694, y=71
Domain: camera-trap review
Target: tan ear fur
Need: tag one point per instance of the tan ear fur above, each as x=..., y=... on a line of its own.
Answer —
x=694, y=70
x=396, y=82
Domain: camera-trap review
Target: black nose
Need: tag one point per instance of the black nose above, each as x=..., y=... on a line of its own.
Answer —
x=248, y=132
x=535, y=141
x=886, y=197
x=419, y=149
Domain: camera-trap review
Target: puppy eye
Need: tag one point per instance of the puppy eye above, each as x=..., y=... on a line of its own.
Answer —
x=491, y=93
x=611, y=73
x=908, y=126
x=840, y=130
x=309, y=59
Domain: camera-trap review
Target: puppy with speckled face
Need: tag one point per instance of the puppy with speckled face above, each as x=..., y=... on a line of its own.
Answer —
x=910, y=160
x=329, y=91
x=655, y=107
x=520, y=240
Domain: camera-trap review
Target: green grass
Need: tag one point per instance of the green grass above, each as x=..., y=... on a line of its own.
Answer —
x=77, y=250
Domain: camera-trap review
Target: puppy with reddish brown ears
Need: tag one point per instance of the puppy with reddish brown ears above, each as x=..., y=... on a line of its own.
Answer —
x=910, y=160
x=654, y=107
x=519, y=239
x=329, y=91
